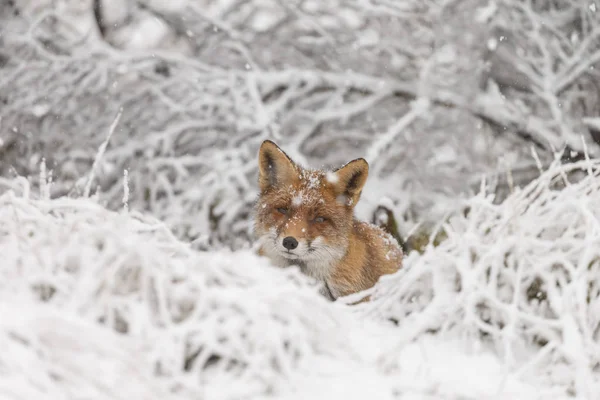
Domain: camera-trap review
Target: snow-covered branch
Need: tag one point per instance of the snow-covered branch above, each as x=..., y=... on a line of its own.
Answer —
x=321, y=77
x=514, y=275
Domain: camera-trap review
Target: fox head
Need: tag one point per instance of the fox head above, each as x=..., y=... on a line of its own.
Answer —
x=305, y=216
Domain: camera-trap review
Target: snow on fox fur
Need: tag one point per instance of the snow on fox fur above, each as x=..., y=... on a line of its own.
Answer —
x=305, y=217
x=104, y=305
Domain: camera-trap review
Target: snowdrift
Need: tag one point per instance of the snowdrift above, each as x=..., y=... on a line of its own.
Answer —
x=102, y=305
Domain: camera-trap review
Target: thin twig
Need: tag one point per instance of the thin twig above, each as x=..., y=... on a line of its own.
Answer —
x=100, y=153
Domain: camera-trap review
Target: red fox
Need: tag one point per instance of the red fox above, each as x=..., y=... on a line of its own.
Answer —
x=305, y=217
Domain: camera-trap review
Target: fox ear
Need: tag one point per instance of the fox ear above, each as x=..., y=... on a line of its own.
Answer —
x=274, y=166
x=349, y=180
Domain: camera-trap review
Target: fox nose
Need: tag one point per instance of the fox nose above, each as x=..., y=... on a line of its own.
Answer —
x=290, y=243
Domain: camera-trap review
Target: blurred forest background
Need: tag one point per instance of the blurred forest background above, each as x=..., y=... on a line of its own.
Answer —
x=436, y=94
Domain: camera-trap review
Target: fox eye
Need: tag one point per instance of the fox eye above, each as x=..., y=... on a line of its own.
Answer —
x=282, y=210
x=320, y=219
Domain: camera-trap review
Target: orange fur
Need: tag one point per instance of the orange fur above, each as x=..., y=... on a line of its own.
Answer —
x=316, y=209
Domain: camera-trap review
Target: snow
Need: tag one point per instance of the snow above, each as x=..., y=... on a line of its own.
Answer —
x=148, y=33
x=265, y=19
x=110, y=305
x=485, y=13
x=332, y=177
x=115, y=13
x=167, y=6
x=298, y=199
x=311, y=179
x=99, y=304
x=84, y=265
x=309, y=190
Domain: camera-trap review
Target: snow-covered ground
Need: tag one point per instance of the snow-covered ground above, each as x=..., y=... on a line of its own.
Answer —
x=97, y=304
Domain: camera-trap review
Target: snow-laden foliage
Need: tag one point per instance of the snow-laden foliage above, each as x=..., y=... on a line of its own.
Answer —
x=107, y=305
x=73, y=272
x=524, y=275
x=201, y=84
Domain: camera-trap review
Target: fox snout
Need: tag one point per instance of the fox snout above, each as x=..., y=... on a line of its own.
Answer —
x=294, y=246
x=290, y=242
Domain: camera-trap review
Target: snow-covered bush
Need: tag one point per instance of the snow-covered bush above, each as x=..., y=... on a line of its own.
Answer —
x=74, y=274
x=111, y=305
x=522, y=276
x=327, y=80
x=93, y=300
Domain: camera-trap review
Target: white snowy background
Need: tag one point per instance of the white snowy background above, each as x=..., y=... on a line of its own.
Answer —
x=129, y=133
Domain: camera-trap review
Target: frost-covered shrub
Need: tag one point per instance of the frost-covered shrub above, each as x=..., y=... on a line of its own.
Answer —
x=327, y=80
x=107, y=305
x=524, y=275
x=196, y=320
